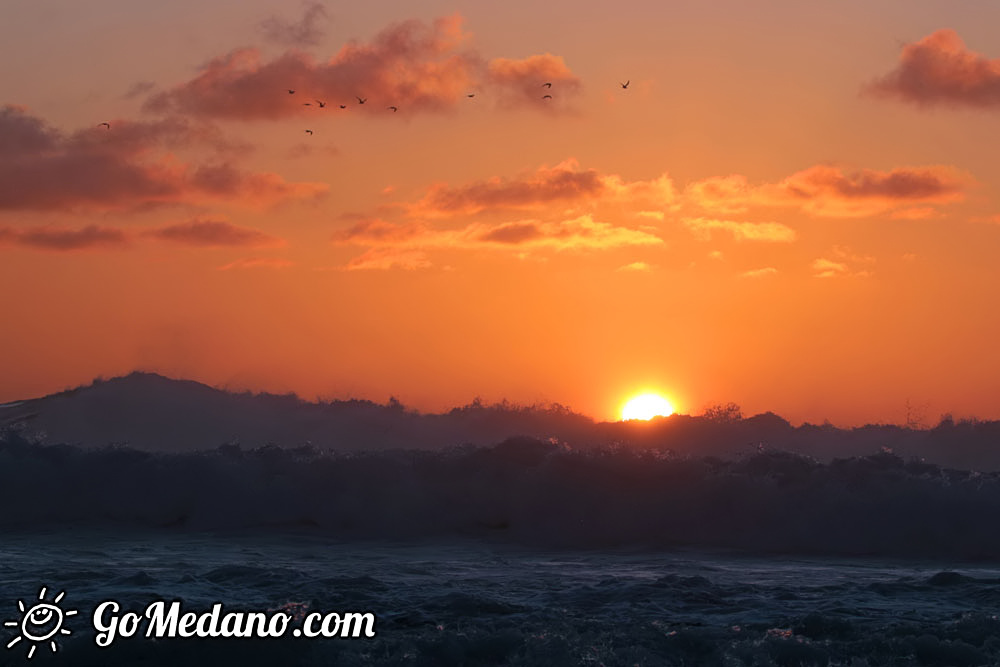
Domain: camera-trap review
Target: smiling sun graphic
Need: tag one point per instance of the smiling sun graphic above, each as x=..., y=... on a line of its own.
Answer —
x=40, y=623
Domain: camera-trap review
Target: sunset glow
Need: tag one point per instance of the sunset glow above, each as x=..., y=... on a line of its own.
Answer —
x=793, y=209
x=647, y=406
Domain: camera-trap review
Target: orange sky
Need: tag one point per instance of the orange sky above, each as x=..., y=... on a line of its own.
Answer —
x=791, y=207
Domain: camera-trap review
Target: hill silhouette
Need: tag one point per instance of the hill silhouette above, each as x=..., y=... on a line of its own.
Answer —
x=149, y=412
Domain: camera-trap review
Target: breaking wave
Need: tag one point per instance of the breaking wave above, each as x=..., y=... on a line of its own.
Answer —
x=523, y=491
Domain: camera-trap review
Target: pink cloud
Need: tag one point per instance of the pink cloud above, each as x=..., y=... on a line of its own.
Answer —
x=412, y=65
x=124, y=166
x=520, y=82
x=940, y=69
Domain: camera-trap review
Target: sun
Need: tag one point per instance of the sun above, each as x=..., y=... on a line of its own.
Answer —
x=647, y=406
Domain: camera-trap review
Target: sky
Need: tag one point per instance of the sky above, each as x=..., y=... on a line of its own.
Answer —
x=791, y=206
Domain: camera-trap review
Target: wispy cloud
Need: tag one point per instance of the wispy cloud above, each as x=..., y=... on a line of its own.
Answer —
x=389, y=258
x=308, y=30
x=940, y=70
x=636, y=267
x=389, y=241
x=759, y=273
x=824, y=190
x=773, y=232
x=257, y=263
x=566, y=184
x=63, y=238
x=214, y=233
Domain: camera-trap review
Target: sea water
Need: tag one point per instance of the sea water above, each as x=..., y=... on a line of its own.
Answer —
x=477, y=602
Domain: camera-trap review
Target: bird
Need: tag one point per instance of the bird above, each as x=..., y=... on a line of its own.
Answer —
x=307, y=104
x=471, y=95
x=394, y=109
x=309, y=132
x=625, y=85
x=107, y=125
x=546, y=97
x=547, y=84
x=321, y=104
x=362, y=100
x=291, y=92
x=343, y=106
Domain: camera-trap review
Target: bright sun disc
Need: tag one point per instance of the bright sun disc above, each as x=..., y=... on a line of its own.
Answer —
x=647, y=406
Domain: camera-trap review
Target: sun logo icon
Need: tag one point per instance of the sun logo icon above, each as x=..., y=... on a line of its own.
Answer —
x=40, y=624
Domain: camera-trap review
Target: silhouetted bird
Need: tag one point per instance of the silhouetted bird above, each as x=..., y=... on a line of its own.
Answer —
x=546, y=97
x=471, y=95
x=362, y=100
x=547, y=84
x=394, y=109
x=291, y=92
x=309, y=132
x=625, y=85
x=307, y=104
x=322, y=105
x=107, y=125
x=343, y=106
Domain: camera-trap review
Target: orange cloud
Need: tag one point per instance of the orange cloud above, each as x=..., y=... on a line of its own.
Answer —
x=412, y=65
x=741, y=231
x=939, y=69
x=830, y=191
x=214, y=233
x=64, y=239
x=565, y=184
x=42, y=169
x=760, y=273
x=828, y=268
x=403, y=245
x=639, y=267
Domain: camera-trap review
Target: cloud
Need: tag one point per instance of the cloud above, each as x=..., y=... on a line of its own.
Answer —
x=413, y=65
x=824, y=190
x=214, y=233
x=138, y=89
x=519, y=82
x=404, y=245
x=576, y=234
x=257, y=263
x=826, y=268
x=307, y=31
x=64, y=239
x=759, y=273
x=125, y=166
x=564, y=184
x=389, y=258
x=939, y=69
x=773, y=232
x=635, y=267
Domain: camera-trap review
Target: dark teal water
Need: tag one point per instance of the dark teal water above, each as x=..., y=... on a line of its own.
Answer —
x=476, y=603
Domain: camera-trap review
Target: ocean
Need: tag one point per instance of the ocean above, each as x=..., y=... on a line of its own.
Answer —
x=479, y=602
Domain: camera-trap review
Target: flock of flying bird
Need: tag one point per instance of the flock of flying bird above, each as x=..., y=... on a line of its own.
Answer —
x=361, y=100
